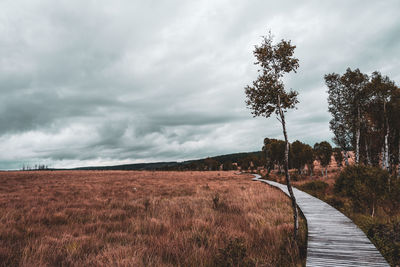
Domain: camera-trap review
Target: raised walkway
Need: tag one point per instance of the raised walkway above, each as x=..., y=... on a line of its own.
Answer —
x=333, y=239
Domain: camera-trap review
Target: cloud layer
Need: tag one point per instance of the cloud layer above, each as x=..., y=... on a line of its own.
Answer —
x=106, y=82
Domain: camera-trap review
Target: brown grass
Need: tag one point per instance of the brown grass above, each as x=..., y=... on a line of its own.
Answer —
x=121, y=218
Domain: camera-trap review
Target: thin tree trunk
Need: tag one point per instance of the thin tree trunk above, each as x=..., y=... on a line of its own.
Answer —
x=358, y=146
x=289, y=186
x=373, y=209
x=387, y=148
x=388, y=166
x=367, y=153
x=346, y=158
x=398, y=163
x=383, y=156
x=358, y=137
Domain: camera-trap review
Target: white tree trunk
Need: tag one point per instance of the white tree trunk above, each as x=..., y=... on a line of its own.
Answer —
x=373, y=209
x=386, y=163
x=387, y=148
x=358, y=137
x=383, y=156
x=358, y=146
x=385, y=151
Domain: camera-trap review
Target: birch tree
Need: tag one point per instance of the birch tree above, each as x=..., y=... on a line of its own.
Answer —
x=394, y=121
x=365, y=117
x=347, y=98
x=355, y=96
x=381, y=89
x=337, y=107
x=267, y=95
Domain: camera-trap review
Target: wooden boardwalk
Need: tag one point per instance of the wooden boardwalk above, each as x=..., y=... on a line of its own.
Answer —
x=333, y=239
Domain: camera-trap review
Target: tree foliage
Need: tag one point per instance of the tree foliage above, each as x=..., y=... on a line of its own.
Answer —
x=323, y=152
x=267, y=95
x=274, y=150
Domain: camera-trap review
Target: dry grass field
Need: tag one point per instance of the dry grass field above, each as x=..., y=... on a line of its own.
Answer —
x=126, y=218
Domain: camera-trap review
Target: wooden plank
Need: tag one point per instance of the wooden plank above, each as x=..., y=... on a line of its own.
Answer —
x=333, y=239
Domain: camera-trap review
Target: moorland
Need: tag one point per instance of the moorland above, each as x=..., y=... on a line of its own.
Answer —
x=142, y=218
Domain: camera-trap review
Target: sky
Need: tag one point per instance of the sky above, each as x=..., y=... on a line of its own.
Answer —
x=86, y=83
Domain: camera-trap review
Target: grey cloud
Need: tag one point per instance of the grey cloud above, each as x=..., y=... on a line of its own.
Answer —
x=131, y=81
x=29, y=111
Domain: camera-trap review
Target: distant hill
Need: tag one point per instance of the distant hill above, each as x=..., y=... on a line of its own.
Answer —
x=135, y=166
x=210, y=163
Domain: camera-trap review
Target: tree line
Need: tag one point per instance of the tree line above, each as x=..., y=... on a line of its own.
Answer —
x=301, y=155
x=243, y=161
x=36, y=167
x=271, y=157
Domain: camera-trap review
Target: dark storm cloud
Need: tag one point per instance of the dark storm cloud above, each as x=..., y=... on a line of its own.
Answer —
x=131, y=81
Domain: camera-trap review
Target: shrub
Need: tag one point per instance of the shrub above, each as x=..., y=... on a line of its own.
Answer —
x=215, y=200
x=384, y=234
x=343, y=204
x=365, y=186
x=270, y=177
x=316, y=188
x=387, y=239
x=392, y=203
x=297, y=177
x=234, y=254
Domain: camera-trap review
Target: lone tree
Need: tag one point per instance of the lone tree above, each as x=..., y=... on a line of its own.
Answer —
x=267, y=95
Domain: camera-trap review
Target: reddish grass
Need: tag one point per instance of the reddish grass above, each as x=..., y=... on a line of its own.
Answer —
x=126, y=218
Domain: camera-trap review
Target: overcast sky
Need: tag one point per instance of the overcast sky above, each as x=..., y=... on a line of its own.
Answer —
x=110, y=82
